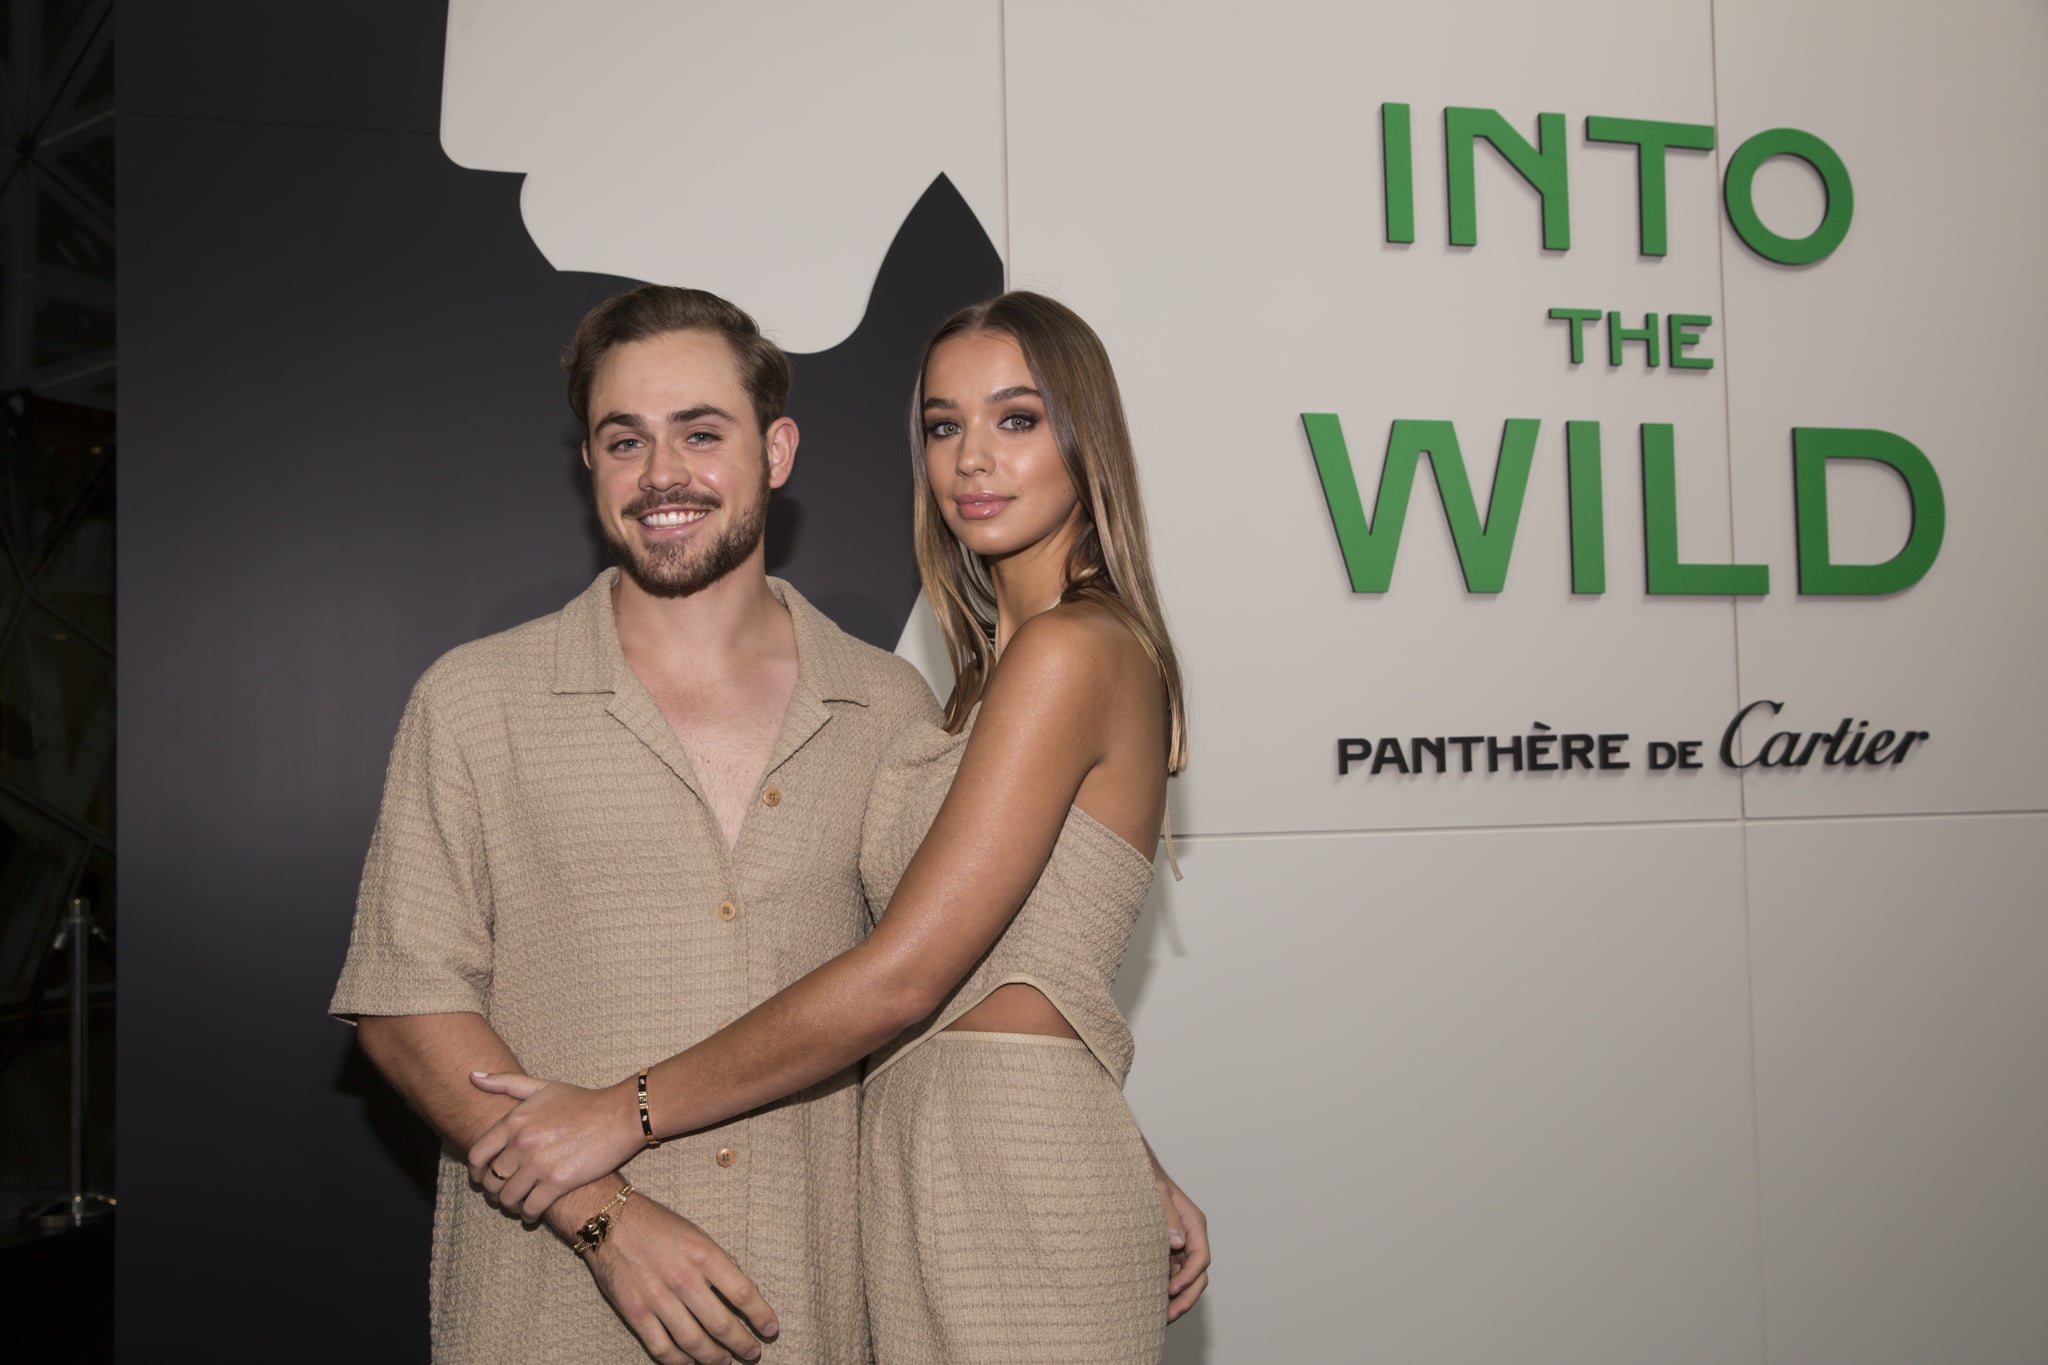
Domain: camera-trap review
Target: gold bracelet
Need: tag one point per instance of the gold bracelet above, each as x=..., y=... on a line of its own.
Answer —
x=592, y=1234
x=646, y=1124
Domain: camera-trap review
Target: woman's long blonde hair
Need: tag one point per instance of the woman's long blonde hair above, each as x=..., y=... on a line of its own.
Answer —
x=1111, y=561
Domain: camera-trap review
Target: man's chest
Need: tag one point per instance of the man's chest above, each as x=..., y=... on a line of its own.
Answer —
x=594, y=811
x=728, y=735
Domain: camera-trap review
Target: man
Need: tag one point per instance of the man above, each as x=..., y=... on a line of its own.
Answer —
x=608, y=832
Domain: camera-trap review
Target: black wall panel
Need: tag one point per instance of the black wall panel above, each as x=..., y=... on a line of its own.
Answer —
x=345, y=450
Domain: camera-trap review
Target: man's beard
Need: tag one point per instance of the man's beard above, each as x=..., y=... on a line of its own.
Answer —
x=680, y=568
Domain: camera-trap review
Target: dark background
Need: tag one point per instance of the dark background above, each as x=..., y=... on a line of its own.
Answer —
x=346, y=450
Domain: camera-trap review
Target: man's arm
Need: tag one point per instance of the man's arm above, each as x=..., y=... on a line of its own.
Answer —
x=428, y=1058
x=660, y=1271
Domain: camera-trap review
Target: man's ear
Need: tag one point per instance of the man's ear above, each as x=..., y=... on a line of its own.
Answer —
x=586, y=454
x=780, y=447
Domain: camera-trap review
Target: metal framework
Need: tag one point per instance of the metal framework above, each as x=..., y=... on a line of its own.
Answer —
x=57, y=201
x=56, y=401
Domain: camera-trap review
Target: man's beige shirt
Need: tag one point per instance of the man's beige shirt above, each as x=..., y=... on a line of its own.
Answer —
x=545, y=858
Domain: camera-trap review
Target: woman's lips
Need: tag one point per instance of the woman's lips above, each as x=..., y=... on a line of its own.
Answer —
x=980, y=506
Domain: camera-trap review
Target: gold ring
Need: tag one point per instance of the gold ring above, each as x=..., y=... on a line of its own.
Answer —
x=498, y=1173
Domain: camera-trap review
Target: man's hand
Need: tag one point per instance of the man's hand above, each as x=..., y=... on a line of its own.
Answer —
x=559, y=1137
x=1187, y=1234
x=664, y=1276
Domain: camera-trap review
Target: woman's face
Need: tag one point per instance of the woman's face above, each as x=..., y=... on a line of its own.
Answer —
x=989, y=450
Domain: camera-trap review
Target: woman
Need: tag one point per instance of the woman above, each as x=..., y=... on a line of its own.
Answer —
x=1009, y=1207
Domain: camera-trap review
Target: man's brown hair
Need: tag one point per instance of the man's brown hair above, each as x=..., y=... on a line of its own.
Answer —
x=655, y=310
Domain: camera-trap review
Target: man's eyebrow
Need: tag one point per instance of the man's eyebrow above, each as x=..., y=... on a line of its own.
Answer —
x=700, y=411
x=621, y=419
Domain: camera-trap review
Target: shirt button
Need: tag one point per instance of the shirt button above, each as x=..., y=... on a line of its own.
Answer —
x=726, y=1156
x=773, y=796
x=726, y=910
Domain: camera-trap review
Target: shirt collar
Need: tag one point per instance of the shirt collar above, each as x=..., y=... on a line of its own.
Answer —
x=588, y=657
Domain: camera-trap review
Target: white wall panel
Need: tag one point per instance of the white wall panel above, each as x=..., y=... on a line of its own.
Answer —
x=1453, y=1092
x=1922, y=323
x=1204, y=186
x=1902, y=1088
x=764, y=152
x=1479, y=1096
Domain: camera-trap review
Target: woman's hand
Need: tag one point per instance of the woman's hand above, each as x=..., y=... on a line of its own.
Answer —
x=1187, y=1234
x=559, y=1137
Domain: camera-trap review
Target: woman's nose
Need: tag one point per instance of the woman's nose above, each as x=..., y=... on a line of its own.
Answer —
x=972, y=458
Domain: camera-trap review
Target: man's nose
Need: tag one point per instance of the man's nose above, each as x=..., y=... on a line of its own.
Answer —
x=669, y=465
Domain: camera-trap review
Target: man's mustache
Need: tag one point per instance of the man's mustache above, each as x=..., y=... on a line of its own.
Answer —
x=654, y=502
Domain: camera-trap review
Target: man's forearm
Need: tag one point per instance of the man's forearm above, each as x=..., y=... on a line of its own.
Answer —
x=428, y=1058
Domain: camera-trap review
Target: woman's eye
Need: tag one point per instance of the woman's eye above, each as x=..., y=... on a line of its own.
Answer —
x=1018, y=421
x=940, y=430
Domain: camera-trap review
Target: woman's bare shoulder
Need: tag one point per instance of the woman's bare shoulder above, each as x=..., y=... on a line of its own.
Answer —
x=1085, y=633
x=1082, y=652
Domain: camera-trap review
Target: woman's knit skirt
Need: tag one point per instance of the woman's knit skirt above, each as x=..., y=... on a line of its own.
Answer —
x=1008, y=1210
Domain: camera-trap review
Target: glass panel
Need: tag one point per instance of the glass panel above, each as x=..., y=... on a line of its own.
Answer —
x=35, y=867
x=60, y=17
x=91, y=163
x=63, y=238
x=96, y=82
x=10, y=586
x=65, y=329
x=47, y=463
x=78, y=580
x=57, y=720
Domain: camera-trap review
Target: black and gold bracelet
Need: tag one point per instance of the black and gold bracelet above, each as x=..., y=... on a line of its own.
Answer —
x=592, y=1234
x=646, y=1124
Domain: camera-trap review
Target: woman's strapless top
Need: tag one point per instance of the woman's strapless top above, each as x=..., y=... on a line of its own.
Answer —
x=1068, y=938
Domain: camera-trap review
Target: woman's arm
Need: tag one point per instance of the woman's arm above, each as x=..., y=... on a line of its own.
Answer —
x=1187, y=1240
x=1042, y=729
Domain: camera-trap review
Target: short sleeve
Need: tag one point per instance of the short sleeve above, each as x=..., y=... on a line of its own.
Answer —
x=422, y=937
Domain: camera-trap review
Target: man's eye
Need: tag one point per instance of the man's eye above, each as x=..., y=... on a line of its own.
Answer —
x=624, y=443
x=700, y=438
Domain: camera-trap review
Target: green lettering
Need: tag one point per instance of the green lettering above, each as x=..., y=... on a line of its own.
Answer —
x=1677, y=328
x=1652, y=138
x=1819, y=576
x=1397, y=169
x=1616, y=334
x=1739, y=185
x=1576, y=319
x=1588, y=513
x=1541, y=164
x=1370, y=546
x=1667, y=575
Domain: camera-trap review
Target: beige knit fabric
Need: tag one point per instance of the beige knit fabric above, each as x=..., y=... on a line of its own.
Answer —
x=1069, y=937
x=1008, y=1210
x=544, y=858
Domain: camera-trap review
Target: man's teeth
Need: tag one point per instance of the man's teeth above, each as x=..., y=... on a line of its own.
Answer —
x=674, y=516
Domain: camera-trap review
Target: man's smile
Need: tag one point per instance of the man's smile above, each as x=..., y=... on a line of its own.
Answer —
x=663, y=517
